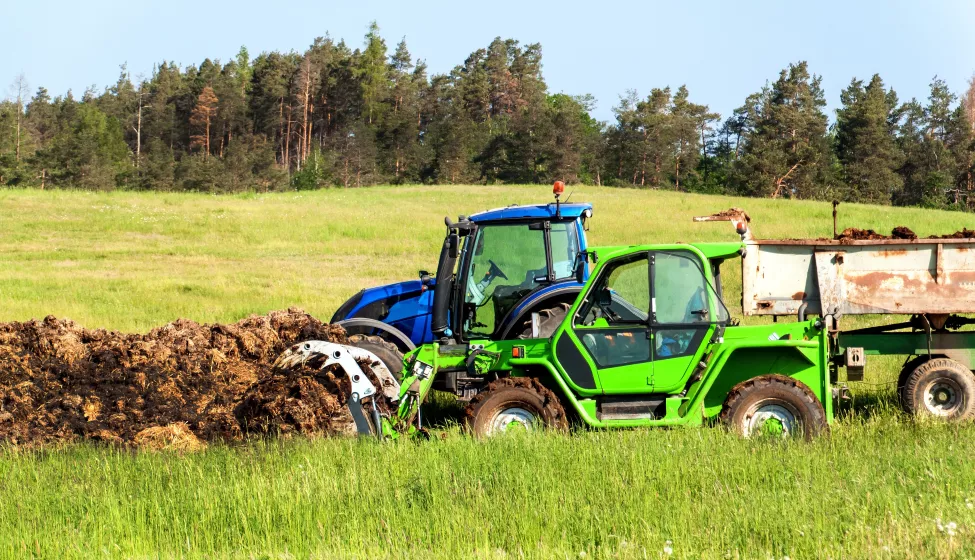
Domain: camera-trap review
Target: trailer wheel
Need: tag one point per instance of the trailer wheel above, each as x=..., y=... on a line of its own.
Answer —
x=940, y=388
x=774, y=405
x=383, y=349
x=514, y=402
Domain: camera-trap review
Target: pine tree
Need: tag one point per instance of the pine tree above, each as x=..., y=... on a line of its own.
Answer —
x=201, y=119
x=866, y=145
x=372, y=74
x=689, y=124
x=787, y=153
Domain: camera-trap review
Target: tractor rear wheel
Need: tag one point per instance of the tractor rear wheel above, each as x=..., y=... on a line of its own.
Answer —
x=386, y=351
x=548, y=320
x=514, y=403
x=774, y=405
x=940, y=388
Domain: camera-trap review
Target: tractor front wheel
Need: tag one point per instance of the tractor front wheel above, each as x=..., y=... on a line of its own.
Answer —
x=774, y=405
x=940, y=388
x=514, y=403
x=383, y=349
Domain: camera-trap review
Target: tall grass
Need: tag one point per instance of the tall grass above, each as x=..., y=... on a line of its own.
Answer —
x=881, y=486
x=876, y=489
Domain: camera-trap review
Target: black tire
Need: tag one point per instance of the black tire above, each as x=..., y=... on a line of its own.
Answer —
x=781, y=401
x=940, y=388
x=549, y=319
x=906, y=371
x=383, y=349
x=514, y=400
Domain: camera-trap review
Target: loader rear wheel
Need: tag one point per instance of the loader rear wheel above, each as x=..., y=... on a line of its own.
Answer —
x=940, y=388
x=383, y=349
x=514, y=403
x=774, y=405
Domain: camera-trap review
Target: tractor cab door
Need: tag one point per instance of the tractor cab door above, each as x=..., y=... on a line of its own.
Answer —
x=611, y=330
x=508, y=261
x=683, y=317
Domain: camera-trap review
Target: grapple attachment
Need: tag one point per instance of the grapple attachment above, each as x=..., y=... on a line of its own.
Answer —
x=321, y=355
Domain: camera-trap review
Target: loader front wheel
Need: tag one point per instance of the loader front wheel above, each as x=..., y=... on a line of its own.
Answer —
x=514, y=403
x=940, y=388
x=774, y=405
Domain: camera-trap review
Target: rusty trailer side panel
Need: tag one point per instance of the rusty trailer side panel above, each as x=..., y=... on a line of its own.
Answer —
x=858, y=277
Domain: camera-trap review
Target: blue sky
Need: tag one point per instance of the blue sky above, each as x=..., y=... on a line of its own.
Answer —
x=722, y=50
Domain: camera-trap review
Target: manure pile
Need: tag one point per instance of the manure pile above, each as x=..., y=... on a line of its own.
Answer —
x=178, y=386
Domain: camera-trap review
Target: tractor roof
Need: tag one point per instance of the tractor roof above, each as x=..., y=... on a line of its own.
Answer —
x=569, y=211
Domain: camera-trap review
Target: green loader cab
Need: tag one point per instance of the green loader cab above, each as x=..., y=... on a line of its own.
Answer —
x=648, y=342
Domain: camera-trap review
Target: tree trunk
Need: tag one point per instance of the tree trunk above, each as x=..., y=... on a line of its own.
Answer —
x=138, y=134
x=287, y=142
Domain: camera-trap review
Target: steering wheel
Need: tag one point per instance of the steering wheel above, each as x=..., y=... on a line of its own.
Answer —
x=495, y=270
x=697, y=307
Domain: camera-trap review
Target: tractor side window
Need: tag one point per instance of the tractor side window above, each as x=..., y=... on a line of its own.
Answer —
x=565, y=247
x=507, y=263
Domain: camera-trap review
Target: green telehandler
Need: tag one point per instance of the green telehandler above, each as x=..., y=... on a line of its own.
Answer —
x=648, y=342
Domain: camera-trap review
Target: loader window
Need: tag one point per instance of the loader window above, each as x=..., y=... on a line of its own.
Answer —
x=612, y=322
x=682, y=310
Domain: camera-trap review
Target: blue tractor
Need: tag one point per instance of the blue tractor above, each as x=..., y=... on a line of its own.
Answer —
x=519, y=268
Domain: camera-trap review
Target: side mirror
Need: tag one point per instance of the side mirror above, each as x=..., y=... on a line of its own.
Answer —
x=580, y=271
x=605, y=297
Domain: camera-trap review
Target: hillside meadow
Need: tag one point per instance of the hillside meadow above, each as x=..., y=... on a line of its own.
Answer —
x=881, y=486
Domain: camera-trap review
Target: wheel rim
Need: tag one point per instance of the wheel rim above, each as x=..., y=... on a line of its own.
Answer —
x=942, y=397
x=771, y=418
x=515, y=417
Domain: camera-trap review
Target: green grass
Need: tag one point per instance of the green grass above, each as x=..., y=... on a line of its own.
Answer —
x=875, y=488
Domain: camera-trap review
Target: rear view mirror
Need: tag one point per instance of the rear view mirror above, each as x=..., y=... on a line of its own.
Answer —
x=580, y=270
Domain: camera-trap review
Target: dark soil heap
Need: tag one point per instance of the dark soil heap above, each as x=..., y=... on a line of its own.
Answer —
x=856, y=234
x=178, y=383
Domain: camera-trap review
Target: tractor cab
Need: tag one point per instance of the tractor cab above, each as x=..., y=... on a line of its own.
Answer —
x=501, y=265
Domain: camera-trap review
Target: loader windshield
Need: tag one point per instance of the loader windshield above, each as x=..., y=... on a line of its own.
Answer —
x=509, y=261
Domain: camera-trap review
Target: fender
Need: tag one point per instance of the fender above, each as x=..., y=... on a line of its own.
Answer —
x=698, y=395
x=402, y=340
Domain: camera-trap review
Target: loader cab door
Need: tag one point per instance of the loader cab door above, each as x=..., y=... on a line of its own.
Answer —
x=684, y=313
x=641, y=326
x=611, y=327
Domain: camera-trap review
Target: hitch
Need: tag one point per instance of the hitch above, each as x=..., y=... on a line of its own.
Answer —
x=348, y=358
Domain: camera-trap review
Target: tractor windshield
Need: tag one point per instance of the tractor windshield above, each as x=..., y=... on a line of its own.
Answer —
x=508, y=262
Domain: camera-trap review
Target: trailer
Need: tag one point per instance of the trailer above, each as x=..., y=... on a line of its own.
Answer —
x=929, y=281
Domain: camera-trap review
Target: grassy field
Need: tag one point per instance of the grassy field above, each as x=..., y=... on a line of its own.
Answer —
x=881, y=486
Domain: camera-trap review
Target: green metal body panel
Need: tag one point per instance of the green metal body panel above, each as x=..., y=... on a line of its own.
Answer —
x=693, y=386
x=957, y=345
